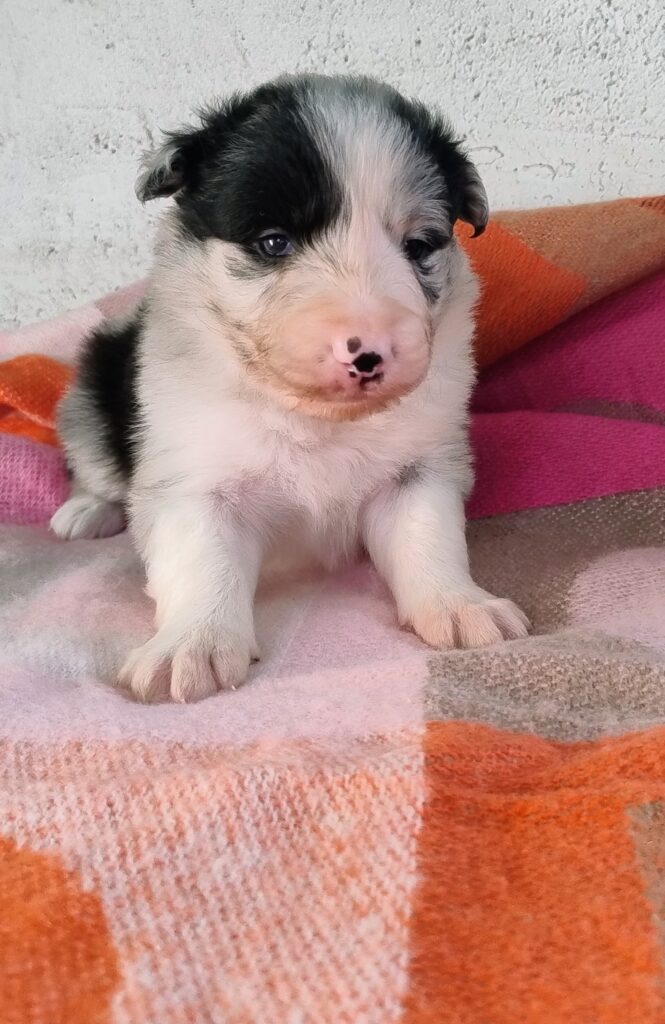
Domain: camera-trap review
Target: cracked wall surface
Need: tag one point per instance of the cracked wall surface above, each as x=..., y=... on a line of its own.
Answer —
x=559, y=102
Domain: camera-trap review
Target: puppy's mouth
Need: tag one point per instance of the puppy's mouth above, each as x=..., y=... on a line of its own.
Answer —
x=333, y=390
x=366, y=396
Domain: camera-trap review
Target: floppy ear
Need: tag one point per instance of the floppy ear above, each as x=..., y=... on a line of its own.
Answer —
x=466, y=192
x=471, y=198
x=172, y=167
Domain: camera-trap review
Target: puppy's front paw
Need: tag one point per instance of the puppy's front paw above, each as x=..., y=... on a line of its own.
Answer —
x=476, y=620
x=194, y=668
x=85, y=516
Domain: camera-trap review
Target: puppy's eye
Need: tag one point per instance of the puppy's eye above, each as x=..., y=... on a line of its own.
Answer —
x=418, y=249
x=275, y=244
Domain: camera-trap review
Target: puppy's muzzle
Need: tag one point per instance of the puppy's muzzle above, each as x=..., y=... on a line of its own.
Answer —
x=364, y=361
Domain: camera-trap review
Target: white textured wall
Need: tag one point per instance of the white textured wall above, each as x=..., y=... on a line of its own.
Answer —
x=561, y=100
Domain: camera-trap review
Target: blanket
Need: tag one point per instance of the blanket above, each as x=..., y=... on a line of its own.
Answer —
x=369, y=830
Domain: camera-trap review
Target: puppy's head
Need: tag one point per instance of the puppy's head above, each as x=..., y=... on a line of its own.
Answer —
x=323, y=211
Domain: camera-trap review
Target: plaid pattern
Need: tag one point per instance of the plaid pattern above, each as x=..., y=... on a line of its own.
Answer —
x=368, y=831
x=541, y=266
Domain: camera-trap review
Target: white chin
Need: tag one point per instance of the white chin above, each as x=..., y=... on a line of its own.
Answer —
x=339, y=409
x=338, y=405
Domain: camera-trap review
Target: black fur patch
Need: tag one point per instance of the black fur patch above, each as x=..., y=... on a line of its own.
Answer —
x=107, y=372
x=256, y=164
x=253, y=166
x=461, y=191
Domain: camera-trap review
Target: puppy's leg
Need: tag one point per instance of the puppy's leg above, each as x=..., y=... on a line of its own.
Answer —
x=414, y=533
x=96, y=505
x=202, y=571
x=85, y=515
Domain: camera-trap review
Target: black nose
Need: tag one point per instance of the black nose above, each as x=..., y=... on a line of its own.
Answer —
x=367, y=362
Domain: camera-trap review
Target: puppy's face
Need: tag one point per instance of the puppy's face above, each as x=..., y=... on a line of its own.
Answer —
x=324, y=213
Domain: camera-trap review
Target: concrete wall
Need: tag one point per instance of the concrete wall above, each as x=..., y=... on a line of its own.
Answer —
x=560, y=100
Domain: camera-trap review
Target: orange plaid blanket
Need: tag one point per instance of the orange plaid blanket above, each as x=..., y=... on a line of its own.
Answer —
x=368, y=831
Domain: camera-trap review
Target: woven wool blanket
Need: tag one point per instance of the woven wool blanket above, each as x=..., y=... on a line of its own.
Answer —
x=369, y=831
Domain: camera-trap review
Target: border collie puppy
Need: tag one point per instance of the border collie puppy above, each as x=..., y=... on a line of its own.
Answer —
x=297, y=376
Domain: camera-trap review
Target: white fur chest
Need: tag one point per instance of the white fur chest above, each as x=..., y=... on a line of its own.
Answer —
x=319, y=475
x=290, y=475
x=207, y=432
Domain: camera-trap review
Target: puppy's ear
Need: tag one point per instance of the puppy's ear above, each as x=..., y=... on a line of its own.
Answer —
x=466, y=192
x=470, y=197
x=172, y=167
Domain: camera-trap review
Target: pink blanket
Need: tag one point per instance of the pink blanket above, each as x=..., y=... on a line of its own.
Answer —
x=339, y=840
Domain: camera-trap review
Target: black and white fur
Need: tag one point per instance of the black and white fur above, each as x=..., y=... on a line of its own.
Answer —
x=297, y=376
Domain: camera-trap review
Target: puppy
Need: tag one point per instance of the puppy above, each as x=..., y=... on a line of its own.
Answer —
x=297, y=376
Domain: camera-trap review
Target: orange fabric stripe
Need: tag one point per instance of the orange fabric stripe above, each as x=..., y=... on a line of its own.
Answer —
x=16, y=423
x=51, y=924
x=531, y=906
x=30, y=388
x=523, y=294
x=612, y=244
